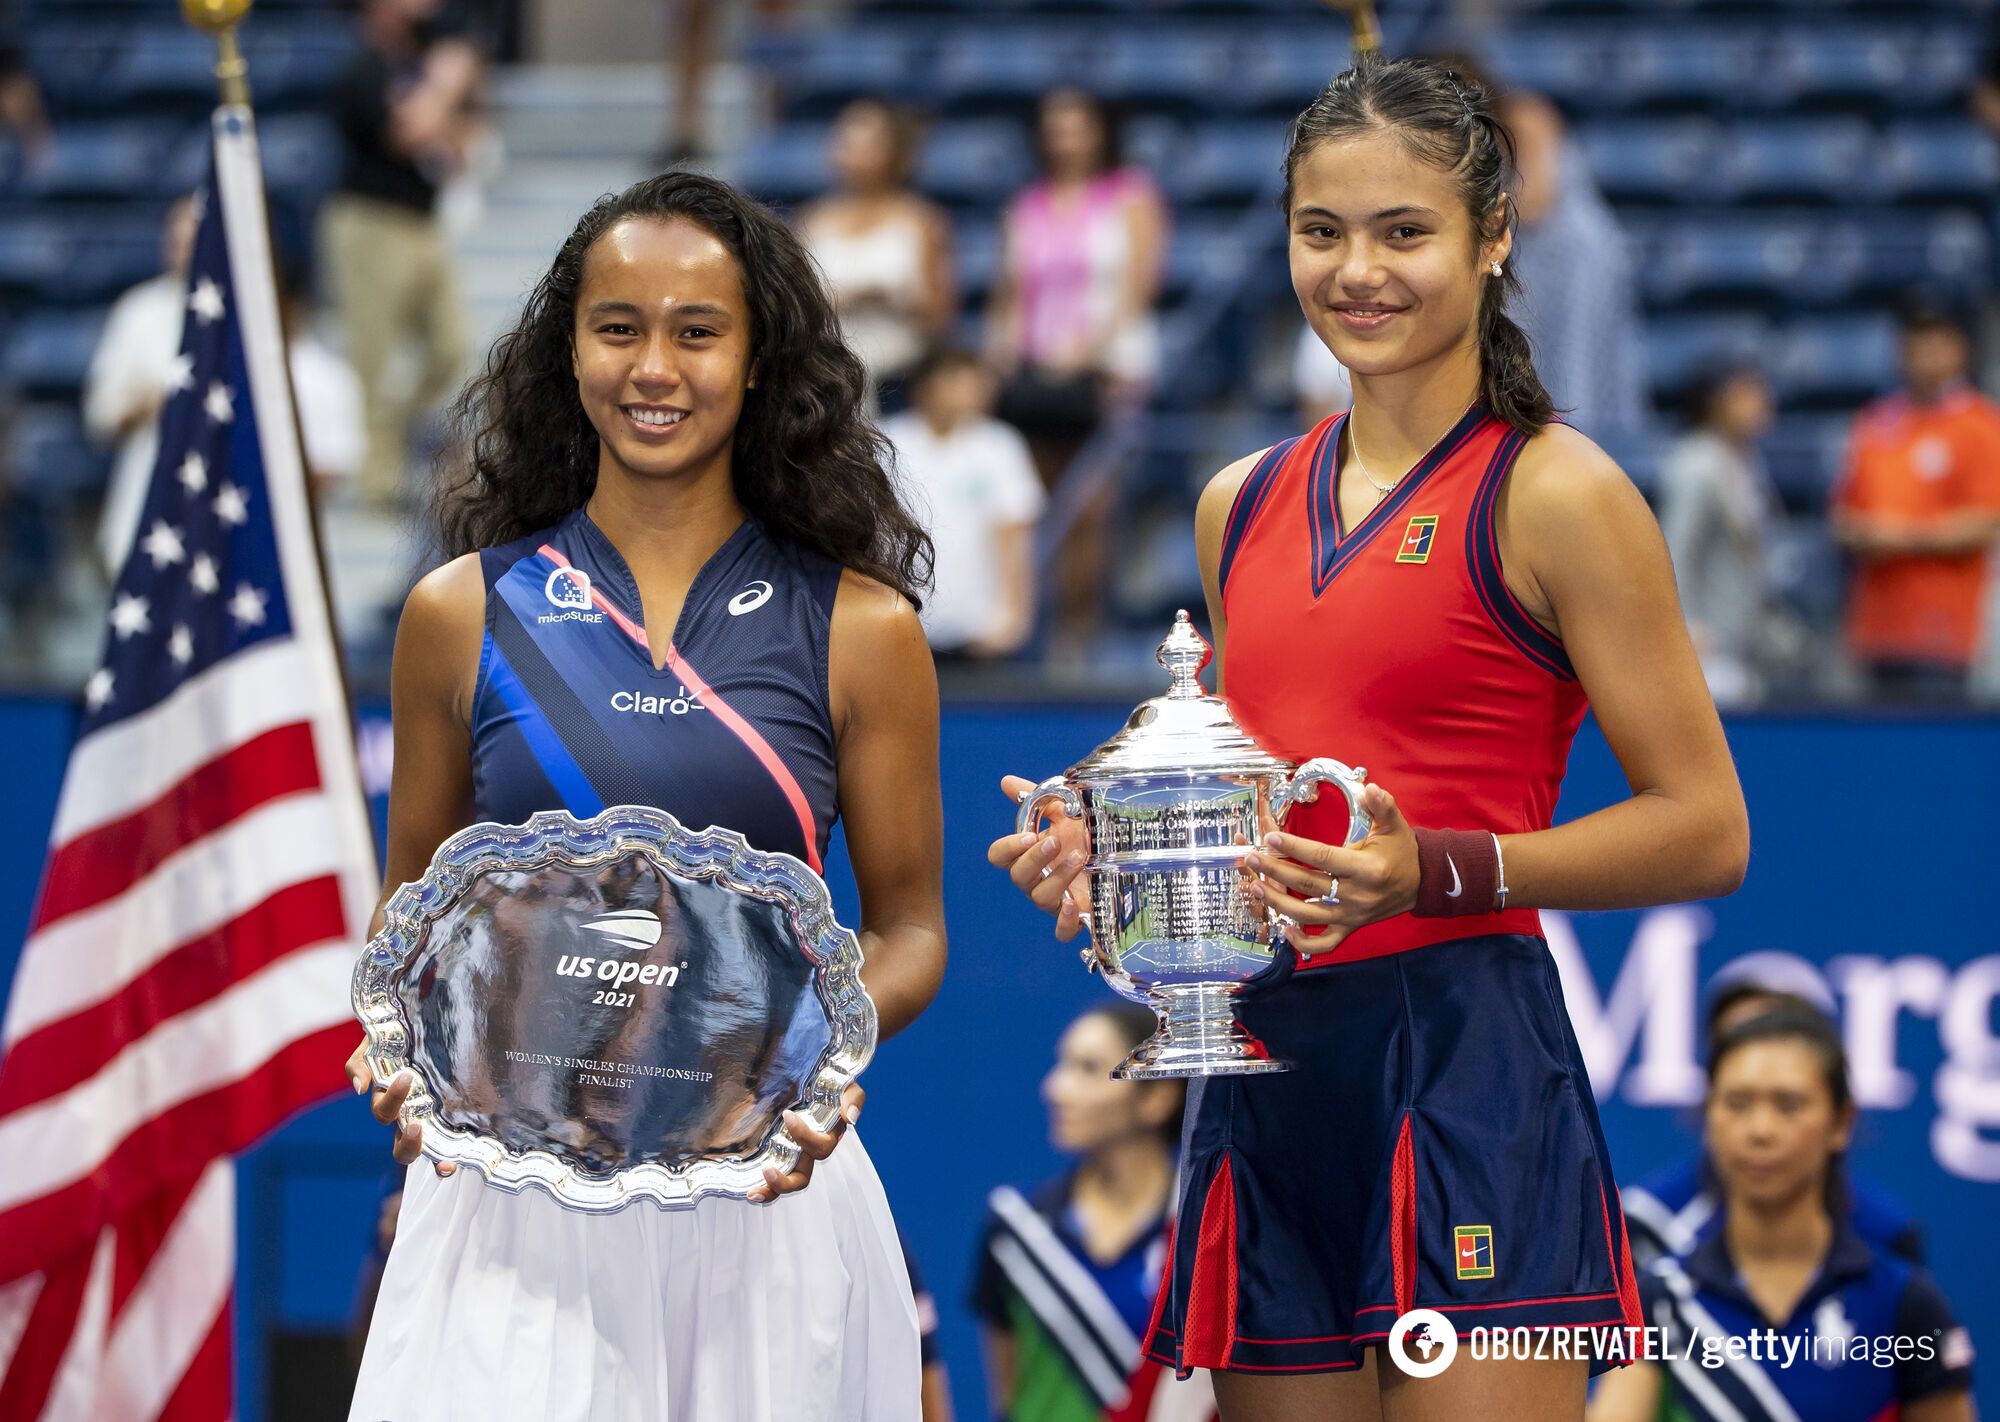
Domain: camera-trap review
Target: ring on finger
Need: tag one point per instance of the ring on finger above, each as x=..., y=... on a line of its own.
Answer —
x=1048, y=869
x=1331, y=898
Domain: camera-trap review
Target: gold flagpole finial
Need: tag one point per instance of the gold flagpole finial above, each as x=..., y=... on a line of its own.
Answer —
x=1367, y=29
x=220, y=18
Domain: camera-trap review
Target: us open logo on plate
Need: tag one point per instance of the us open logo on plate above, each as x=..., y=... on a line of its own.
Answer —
x=627, y=928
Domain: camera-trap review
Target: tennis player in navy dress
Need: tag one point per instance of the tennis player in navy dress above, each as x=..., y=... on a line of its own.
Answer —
x=682, y=578
x=1435, y=584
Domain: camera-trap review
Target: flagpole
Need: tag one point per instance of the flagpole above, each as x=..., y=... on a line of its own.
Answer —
x=1367, y=29
x=233, y=77
x=220, y=18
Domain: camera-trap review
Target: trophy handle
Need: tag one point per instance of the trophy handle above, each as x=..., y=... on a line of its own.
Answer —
x=1054, y=788
x=1303, y=789
x=1058, y=789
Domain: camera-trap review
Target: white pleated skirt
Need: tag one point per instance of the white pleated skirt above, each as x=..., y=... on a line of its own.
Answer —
x=497, y=1307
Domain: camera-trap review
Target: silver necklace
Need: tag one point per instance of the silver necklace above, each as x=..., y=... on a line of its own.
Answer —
x=1382, y=491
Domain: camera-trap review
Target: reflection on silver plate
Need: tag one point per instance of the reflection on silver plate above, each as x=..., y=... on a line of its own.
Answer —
x=615, y=1009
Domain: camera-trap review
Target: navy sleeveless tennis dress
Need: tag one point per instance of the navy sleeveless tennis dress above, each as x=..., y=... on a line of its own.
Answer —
x=499, y=1305
x=735, y=728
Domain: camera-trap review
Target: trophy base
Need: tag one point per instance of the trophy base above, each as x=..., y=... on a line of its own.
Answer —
x=1199, y=1036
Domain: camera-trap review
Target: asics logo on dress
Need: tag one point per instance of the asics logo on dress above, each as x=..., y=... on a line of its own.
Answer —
x=750, y=599
x=569, y=589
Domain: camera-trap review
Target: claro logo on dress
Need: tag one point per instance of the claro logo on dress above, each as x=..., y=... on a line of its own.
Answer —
x=569, y=589
x=640, y=703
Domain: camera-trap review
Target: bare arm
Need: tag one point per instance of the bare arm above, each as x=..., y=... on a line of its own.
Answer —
x=884, y=690
x=1211, y=521
x=936, y=1399
x=1001, y=1355
x=1938, y=1407
x=940, y=278
x=1003, y=306
x=1014, y=618
x=430, y=789
x=1960, y=533
x=1628, y=1394
x=431, y=117
x=1147, y=220
x=1582, y=550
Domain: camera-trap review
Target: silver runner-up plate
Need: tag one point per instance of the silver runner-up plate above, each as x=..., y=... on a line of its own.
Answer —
x=615, y=1009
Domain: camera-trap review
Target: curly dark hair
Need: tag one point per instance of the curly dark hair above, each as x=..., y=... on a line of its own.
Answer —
x=807, y=461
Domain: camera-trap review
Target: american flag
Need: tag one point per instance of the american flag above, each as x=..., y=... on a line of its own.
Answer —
x=183, y=987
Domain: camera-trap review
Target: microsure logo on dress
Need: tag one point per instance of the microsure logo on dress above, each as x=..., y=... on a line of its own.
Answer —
x=569, y=589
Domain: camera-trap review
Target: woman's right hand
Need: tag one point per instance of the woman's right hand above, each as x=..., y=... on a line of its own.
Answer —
x=387, y=1105
x=1046, y=865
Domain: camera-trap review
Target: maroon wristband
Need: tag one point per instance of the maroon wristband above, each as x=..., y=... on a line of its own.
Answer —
x=1458, y=872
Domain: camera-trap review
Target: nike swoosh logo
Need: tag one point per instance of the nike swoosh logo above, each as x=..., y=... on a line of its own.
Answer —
x=1456, y=887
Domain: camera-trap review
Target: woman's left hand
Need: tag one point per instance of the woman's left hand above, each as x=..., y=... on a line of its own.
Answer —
x=1371, y=880
x=814, y=1146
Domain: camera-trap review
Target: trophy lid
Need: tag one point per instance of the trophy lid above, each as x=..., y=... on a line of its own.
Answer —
x=1186, y=731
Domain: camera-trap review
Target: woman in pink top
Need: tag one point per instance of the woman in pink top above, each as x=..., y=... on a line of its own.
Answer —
x=1071, y=328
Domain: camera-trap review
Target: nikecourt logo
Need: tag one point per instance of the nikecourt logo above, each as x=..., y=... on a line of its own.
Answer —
x=627, y=928
x=1456, y=887
x=750, y=599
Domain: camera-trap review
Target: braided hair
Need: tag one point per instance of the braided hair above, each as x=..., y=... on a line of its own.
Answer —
x=1445, y=119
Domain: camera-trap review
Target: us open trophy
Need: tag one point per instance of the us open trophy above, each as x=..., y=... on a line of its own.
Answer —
x=1170, y=804
x=615, y=1009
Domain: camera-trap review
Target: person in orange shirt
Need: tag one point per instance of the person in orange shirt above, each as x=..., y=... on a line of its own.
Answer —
x=1918, y=508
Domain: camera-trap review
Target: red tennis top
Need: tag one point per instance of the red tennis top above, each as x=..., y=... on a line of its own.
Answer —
x=1395, y=645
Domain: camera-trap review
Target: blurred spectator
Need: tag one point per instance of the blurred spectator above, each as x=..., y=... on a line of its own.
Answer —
x=1785, y=1266
x=405, y=111
x=1918, y=507
x=973, y=481
x=1578, y=277
x=936, y=1401
x=127, y=381
x=886, y=252
x=1716, y=508
x=1319, y=382
x=1579, y=285
x=1673, y=1209
x=333, y=426
x=1067, y=1273
x=22, y=112
x=693, y=39
x=1071, y=323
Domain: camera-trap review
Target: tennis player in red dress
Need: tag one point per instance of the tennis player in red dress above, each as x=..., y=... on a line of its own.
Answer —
x=1434, y=584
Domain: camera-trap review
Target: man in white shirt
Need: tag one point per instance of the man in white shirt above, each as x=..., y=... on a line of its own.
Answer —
x=127, y=381
x=973, y=482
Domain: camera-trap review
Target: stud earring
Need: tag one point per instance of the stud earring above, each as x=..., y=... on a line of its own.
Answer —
x=1495, y=267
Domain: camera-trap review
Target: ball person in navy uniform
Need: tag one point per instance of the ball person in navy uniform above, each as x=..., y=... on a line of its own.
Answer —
x=1845, y=1330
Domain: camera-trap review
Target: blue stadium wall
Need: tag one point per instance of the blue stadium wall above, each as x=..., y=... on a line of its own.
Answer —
x=1870, y=886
